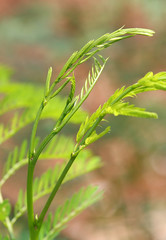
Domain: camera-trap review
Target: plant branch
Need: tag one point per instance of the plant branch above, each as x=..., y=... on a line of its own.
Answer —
x=34, y=130
x=30, y=210
x=56, y=188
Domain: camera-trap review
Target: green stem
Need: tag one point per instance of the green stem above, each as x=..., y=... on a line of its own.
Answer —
x=56, y=188
x=59, y=89
x=44, y=143
x=34, y=130
x=30, y=210
x=34, y=230
x=31, y=165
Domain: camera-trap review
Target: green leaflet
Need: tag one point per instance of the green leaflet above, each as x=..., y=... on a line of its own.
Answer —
x=72, y=91
x=5, y=209
x=129, y=110
x=71, y=208
x=48, y=79
x=92, y=78
x=94, y=136
x=70, y=102
x=68, y=64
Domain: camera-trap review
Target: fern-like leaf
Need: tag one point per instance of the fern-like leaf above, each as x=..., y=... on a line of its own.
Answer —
x=71, y=208
x=15, y=161
x=116, y=105
x=59, y=148
x=94, y=46
x=126, y=109
x=89, y=85
x=149, y=82
x=92, y=78
x=44, y=184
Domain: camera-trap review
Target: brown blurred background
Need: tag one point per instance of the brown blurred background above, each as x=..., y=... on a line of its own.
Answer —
x=37, y=34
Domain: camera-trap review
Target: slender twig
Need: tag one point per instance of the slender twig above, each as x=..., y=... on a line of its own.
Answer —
x=56, y=188
x=34, y=130
x=30, y=210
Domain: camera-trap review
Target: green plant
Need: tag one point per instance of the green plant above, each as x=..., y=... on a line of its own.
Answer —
x=25, y=98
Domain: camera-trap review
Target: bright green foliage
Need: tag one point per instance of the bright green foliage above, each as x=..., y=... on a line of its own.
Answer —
x=116, y=106
x=32, y=103
x=94, y=136
x=70, y=208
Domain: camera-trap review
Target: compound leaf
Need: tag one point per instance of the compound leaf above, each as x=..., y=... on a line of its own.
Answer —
x=71, y=208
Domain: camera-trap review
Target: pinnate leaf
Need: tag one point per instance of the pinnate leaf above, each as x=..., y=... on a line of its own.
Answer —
x=71, y=208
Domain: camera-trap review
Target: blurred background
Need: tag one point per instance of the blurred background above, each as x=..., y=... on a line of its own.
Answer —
x=35, y=35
